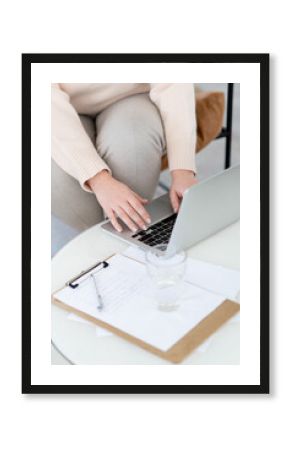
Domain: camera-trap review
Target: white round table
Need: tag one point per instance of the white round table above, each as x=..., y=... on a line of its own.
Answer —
x=79, y=343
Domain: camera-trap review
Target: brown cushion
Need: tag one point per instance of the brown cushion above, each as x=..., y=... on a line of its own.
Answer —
x=209, y=116
x=210, y=108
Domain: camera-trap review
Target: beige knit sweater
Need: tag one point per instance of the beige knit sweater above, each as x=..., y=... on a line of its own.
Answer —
x=73, y=150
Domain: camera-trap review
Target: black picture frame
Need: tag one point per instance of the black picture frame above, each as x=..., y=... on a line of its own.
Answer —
x=263, y=61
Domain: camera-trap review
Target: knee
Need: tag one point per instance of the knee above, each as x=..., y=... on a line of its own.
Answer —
x=129, y=129
x=130, y=139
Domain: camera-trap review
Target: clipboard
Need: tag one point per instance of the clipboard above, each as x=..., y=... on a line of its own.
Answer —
x=183, y=347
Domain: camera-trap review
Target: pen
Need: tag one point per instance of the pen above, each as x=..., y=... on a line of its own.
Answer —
x=100, y=300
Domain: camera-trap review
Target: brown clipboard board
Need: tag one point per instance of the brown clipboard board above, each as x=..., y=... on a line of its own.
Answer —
x=182, y=348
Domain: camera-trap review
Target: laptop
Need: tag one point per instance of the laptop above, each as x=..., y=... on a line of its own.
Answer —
x=206, y=208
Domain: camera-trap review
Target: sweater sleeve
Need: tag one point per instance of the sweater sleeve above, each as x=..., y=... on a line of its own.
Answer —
x=176, y=103
x=72, y=148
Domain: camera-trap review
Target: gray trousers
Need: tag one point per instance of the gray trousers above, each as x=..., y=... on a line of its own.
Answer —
x=129, y=137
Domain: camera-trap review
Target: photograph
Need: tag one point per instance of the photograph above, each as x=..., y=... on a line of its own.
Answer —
x=153, y=254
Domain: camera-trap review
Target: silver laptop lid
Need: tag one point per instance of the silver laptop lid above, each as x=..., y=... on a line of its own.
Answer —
x=207, y=208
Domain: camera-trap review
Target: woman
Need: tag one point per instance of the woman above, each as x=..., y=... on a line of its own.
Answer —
x=110, y=138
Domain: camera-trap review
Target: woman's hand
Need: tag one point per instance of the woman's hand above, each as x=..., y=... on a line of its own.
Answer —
x=181, y=180
x=118, y=200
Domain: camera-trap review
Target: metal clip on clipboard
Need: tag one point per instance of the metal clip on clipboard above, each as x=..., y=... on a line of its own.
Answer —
x=72, y=283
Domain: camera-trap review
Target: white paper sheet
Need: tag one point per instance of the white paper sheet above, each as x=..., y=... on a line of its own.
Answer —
x=128, y=297
x=100, y=332
x=211, y=277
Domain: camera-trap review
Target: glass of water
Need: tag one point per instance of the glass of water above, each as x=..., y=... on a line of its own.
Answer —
x=167, y=273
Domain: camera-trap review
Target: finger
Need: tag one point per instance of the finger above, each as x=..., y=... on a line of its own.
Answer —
x=174, y=200
x=126, y=219
x=134, y=202
x=114, y=221
x=142, y=199
x=133, y=214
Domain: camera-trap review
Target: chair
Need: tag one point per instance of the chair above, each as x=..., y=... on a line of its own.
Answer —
x=226, y=131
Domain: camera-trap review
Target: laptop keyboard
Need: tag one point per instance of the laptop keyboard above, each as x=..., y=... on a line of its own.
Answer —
x=159, y=233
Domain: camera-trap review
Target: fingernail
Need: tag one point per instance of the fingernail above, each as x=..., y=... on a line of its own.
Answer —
x=135, y=229
x=148, y=220
x=119, y=229
x=144, y=227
